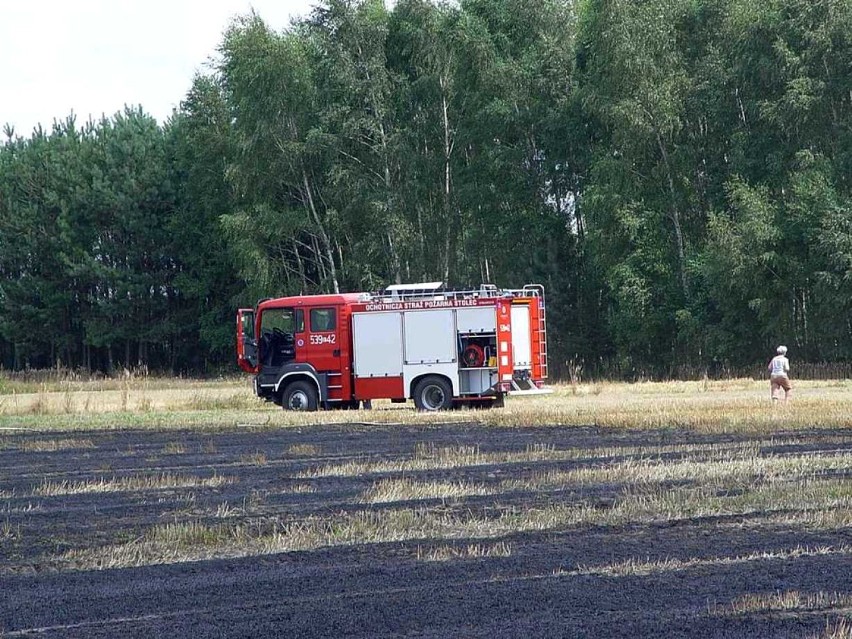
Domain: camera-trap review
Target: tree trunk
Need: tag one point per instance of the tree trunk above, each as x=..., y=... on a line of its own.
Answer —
x=319, y=261
x=422, y=239
x=323, y=235
x=674, y=214
x=301, y=267
x=395, y=263
x=394, y=256
x=448, y=215
x=379, y=111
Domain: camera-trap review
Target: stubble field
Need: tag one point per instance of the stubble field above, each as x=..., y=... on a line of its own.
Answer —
x=163, y=508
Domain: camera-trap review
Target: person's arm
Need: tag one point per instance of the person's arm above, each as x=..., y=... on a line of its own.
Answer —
x=786, y=365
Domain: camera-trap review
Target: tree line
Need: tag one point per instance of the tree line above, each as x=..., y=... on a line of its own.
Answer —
x=675, y=172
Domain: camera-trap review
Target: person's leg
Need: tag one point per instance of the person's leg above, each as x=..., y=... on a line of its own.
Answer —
x=774, y=388
x=788, y=389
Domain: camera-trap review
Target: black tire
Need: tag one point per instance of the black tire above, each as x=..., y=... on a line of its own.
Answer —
x=433, y=394
x=300, y=396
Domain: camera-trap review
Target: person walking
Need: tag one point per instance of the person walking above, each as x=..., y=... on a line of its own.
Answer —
x=779, y=375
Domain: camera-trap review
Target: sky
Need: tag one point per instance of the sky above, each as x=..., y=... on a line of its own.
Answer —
x=91, y=57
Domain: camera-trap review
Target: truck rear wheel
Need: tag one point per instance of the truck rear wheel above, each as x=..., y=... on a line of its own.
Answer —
x=300, y=396
x=433, y=394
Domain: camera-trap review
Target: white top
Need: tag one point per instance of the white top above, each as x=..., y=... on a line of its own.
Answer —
x=779, y=366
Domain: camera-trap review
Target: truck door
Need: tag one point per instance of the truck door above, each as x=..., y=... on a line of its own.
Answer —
x=323, y=345
x=246, y=341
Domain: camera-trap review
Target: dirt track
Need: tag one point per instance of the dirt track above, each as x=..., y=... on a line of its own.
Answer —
x=381, y=589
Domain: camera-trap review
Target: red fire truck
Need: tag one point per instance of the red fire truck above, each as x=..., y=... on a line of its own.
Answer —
x=438, y=347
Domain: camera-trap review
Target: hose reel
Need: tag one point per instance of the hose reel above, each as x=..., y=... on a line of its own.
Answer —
x=473, y=356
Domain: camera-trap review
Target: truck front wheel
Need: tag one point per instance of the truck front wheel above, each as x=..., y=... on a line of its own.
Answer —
x=300, y=396
x=433, y=394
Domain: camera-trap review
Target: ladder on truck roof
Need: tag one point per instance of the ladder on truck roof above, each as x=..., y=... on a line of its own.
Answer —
x=435, y=291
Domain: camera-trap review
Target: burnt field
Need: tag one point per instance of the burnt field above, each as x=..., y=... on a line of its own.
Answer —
x=425, y=530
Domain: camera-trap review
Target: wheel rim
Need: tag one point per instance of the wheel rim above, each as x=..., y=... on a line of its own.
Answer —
x=298, y=401
x=433, y=397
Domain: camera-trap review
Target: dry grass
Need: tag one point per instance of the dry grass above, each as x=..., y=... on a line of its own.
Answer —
x=794, y=602
x=126, y=484
x=174, y=448
x=9, y=532
x=61, y=380
x=257, y=458
x=469, y=551
x=46, y=445
x=719, y=470
x=641, y=463
x=304, y=450
x=425, y=458
x=638, y=567
x=790, y=601
x=738, y=481
x=226, y=511
x=296, y=488
x=818, y=504
x=101, y=397
x=730, y=406
x=837, y=629
x=405, y=489
x=733, y=406
x=170, y=543
x=430, y=457
x=730, y=479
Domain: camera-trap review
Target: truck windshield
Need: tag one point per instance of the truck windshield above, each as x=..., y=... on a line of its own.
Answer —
x=285, y=320
x=278, y=327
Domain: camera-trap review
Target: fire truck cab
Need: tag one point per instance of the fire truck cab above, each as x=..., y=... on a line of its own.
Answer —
x=418, y=341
